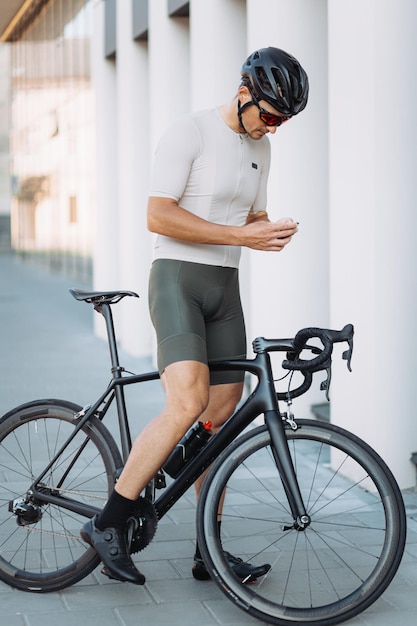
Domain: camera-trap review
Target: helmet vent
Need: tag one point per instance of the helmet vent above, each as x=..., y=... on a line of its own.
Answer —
x=263, y=81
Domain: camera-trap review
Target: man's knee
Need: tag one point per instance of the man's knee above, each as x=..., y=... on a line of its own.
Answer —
x=223, y=401
x=186, y=387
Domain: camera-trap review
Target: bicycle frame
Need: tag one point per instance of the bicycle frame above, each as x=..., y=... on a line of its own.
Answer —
x=262, y=400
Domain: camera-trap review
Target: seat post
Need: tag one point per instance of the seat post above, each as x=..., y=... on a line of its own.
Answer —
x=125, y=437
x=106, y=312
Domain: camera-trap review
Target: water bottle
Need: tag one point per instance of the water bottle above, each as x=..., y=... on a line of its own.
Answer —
x=187, y=447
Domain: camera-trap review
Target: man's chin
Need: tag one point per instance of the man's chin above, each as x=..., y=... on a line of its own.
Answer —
x=257, y=134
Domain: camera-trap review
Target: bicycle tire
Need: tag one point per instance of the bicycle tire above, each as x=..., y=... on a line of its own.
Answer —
x=47, y=554
x=341, y=563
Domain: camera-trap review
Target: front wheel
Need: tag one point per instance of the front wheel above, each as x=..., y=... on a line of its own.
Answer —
x=40, y=546
x=335, y=568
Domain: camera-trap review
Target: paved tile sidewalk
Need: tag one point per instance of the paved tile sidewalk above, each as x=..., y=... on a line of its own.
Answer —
x=48, y=350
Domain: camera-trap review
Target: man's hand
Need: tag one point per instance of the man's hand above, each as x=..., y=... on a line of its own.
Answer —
x=268, y=236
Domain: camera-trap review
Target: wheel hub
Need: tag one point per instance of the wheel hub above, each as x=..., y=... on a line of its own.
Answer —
x=300, y=524
x=26, y=512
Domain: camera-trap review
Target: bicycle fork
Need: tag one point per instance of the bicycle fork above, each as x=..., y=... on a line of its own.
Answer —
x=264, y=400
x=286, y=470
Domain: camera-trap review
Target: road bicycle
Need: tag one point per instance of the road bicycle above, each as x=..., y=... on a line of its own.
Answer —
x=309, y=498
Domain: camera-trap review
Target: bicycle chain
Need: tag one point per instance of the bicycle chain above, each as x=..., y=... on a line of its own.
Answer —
x=50, y=532
x=33, y=528
x=78, y=493
x=141, y=537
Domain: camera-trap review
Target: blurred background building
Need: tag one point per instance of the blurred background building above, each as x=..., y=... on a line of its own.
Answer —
x=87, y=88
x=51, y=139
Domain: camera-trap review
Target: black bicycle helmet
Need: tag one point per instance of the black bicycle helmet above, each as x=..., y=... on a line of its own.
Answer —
x=278, y=78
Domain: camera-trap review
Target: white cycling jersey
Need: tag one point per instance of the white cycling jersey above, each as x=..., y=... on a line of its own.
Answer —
x=214, y=173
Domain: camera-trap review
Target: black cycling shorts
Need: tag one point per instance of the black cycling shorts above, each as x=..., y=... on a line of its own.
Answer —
x=197, y=315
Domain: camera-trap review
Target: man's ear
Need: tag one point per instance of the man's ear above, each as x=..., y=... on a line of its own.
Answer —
x=244, y=94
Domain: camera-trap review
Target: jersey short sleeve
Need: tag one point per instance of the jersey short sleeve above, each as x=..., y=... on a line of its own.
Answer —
x=176, y=151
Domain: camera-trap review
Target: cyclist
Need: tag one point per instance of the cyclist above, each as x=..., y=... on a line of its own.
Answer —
x=207, y=199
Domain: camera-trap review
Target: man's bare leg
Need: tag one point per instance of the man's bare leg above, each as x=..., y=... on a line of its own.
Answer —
x=187, y=391
x=223, y=401
x=186, y=386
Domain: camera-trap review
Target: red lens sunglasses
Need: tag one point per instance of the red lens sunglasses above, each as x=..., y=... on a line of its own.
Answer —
x=270, y=119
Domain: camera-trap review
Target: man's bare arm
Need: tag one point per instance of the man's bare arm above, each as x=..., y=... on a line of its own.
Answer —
x=166, y=217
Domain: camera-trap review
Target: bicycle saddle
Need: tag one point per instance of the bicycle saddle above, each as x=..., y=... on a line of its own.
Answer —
x=100, y=297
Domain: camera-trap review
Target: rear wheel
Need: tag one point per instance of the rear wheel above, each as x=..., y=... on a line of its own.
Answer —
x=337, y=566
x=40, y=546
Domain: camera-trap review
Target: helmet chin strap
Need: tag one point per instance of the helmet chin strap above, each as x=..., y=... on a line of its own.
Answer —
x=240, y=109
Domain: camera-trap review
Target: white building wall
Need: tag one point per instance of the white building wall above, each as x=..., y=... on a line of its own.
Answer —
x=289, y=290
x=106, y=253
x=373, y=221
x=344, y=168
x=133, y=181
x=123, y=245
x=169, y=69
x=218, y=48
x=168, y=89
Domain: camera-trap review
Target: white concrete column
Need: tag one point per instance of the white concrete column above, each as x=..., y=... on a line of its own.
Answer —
x=373, y=195
x=169, y=69
x=169, y=77
x=133, y=180
x=289, y=290
x=218, y=48
x=106, y=251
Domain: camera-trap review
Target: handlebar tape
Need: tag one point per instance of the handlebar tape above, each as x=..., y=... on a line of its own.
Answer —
x=323, y=360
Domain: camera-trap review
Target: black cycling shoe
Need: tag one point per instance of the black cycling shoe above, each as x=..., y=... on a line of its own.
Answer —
x=247, y=572
x=112, y=547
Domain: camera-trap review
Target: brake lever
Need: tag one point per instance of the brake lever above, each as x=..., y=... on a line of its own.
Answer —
x=347, y=354
x=346, y=334
x=325, y=384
